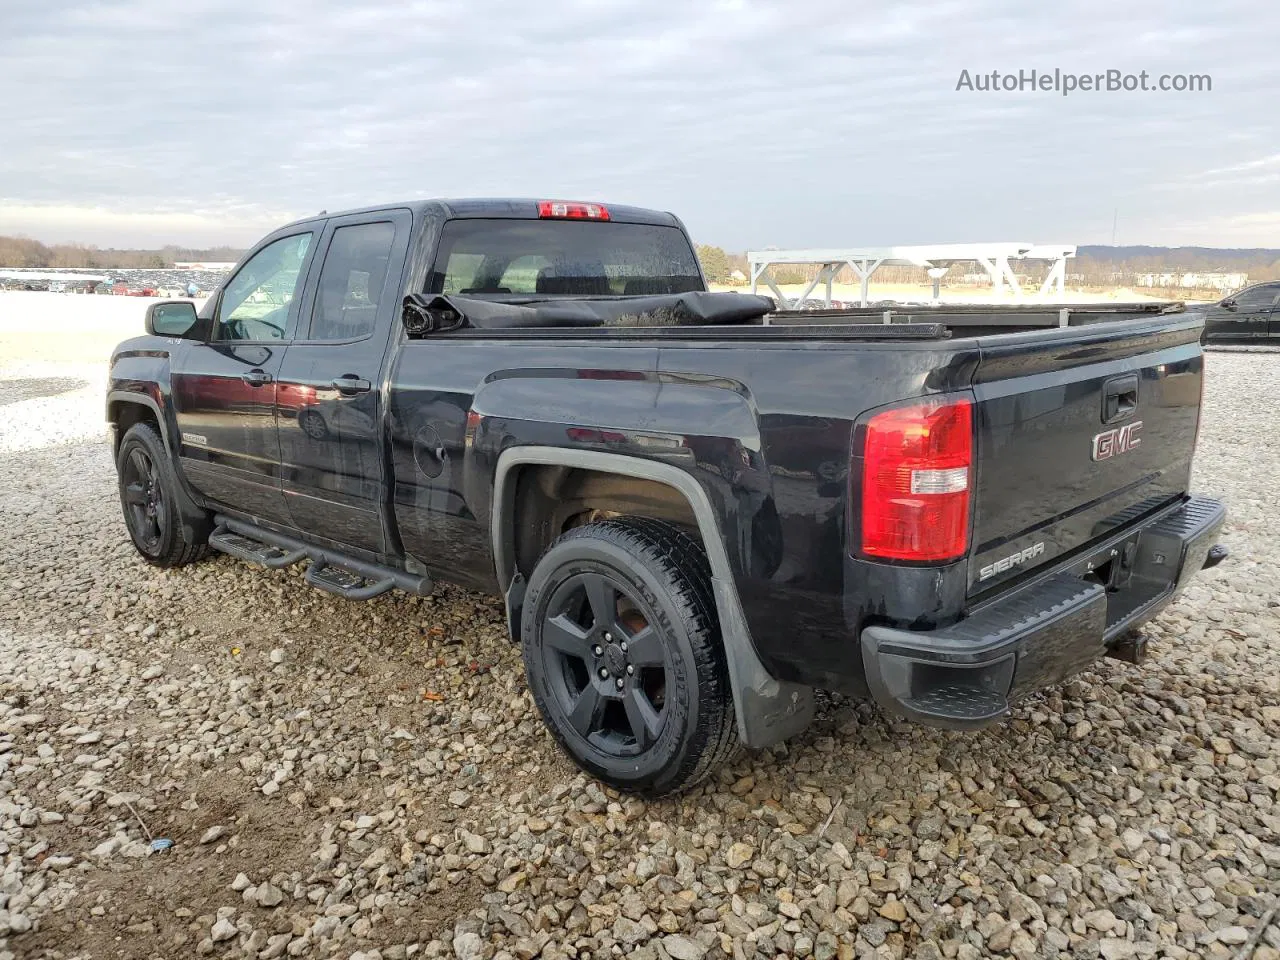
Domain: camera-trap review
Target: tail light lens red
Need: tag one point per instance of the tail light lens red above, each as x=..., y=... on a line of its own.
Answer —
x=916, y=467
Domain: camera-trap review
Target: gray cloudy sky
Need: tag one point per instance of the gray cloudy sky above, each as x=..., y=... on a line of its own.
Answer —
x=802, y=123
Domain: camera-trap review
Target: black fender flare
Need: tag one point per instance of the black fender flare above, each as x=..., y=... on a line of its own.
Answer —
x=148, y=401
x=145, y=400
x=768, y=710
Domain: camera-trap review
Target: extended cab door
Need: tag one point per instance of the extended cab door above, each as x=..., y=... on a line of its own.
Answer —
x=329, y=397
x=224, y=389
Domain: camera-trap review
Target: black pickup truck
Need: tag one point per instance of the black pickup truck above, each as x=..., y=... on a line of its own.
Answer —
x=697, y=509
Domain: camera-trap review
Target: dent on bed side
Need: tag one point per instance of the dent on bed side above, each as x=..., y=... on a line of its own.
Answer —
x=768, y=710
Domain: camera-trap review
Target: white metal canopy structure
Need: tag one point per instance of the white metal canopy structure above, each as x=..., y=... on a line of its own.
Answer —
x=864, y=261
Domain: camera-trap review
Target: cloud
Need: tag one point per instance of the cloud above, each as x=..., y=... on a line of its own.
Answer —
x=60, y=223
x=806, y=123
x=1260, y=228
x=1248, y=166
x=1261, y=171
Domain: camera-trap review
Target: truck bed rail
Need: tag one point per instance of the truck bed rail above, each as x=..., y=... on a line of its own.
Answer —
x=979, y=315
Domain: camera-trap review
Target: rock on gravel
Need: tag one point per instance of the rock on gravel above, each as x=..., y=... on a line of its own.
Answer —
x=224, y=929
x=385, y=788
x=682, y=948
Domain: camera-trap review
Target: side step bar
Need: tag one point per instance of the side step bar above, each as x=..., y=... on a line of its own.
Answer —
x=245, y=548
x=330, y=570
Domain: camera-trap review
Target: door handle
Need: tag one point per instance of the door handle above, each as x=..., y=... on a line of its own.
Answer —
x=349, y=385
x=1119, y=398
x=256, y=378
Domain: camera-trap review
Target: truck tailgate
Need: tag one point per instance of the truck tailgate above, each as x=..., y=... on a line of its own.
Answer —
x=1079, y=432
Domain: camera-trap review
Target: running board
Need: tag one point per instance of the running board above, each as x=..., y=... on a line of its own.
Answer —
x=330, y=570
x=346, y=583
x=254, y=551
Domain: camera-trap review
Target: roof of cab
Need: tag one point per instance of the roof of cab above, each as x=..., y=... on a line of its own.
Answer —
x=497, y=208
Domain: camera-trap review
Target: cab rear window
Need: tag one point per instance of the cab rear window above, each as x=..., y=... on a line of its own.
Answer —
x=562, y=258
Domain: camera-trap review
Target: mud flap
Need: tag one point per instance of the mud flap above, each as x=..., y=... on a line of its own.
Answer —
x=514, y=598
x=768, y=710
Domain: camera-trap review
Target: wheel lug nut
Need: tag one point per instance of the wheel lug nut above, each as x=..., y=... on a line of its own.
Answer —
x=608, y=638
x=597, y=650
x=619, y=682
x=623, y=646
x=604, y=674
x=630, y=669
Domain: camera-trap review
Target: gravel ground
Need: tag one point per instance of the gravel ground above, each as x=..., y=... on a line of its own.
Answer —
x=372, y=781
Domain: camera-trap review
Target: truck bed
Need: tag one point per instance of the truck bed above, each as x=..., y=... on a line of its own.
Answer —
x=701, y=316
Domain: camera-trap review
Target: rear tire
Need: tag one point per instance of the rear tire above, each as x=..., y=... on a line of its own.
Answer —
x=623, y=655
x=166, y=528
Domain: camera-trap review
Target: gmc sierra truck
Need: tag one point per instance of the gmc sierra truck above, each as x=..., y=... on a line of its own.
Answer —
x=697, y=508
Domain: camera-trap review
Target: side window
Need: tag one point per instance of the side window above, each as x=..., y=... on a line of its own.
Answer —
x=255, y=304
x=351, y=281
x=1262, y=296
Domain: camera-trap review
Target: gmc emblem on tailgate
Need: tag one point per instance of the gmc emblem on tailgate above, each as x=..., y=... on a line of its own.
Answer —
x=1110, y=443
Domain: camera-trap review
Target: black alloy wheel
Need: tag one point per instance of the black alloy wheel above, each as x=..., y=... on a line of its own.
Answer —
x=144, y=503
x=622, y=650
x=166, y=527
x=605, y=664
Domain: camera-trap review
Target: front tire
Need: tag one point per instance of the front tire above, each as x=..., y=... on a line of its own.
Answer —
x=167, y=529
x=623, y=655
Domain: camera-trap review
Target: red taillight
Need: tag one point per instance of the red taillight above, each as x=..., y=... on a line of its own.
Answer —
x=915, y=482
x=564, y=210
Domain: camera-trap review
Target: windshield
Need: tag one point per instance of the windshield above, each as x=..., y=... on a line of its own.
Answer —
x=562, y=258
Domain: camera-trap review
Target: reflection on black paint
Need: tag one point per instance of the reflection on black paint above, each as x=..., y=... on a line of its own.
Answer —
x=227, y=425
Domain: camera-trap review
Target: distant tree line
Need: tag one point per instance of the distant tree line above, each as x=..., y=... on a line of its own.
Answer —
x=1093, y=264
x=25, y=252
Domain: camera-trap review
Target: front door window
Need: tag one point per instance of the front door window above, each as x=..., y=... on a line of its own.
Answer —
x=255, y=303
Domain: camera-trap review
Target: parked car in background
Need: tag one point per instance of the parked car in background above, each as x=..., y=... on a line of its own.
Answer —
x=1251, y=315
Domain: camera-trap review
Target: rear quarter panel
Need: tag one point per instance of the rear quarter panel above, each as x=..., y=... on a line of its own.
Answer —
x=764, y=428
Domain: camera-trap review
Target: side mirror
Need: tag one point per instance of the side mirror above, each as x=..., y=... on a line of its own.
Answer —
x=1228, y=304
x=171, y=318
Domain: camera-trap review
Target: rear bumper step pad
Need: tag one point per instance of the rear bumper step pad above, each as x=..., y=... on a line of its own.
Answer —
x=964, y=676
